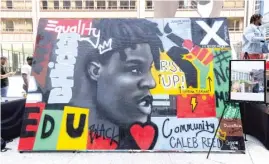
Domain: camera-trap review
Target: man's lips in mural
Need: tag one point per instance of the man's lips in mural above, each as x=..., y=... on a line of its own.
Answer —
x=145, y=104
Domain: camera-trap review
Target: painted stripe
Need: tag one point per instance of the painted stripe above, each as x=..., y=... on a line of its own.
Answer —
x=53, y=21
x=160, y=96
x=51, y=25
x=161, y=103
x=34, y=97
x=49, y=29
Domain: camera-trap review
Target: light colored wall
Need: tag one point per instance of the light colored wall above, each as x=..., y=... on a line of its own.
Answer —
x=36, y=12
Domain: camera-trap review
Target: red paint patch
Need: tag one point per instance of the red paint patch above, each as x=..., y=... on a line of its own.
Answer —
x=202, y=54
x=189, y=56
x=143, y=135
x=209, y=59
x=28, y=143
x=101, y=143
x=203, y=105
x=195, y=51
x=187, y=44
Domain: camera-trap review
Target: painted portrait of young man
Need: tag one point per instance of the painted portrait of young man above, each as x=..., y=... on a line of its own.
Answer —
x=116, y=85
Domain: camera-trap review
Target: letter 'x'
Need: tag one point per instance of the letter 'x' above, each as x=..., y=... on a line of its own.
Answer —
x=211, y=33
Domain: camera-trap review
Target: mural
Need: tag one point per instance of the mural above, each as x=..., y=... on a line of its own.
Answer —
x=132, y=84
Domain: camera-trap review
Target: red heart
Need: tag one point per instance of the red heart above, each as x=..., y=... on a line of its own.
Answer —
x=143, y=135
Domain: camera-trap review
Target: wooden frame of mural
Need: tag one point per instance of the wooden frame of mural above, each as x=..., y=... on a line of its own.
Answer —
x=247, y=81
x=132, y=85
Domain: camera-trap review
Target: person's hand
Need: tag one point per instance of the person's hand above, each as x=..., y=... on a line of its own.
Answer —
x=25, y=87
x=267, y=38
x=11, y=73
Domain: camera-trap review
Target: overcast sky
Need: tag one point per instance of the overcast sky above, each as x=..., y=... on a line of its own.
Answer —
x=247, y=65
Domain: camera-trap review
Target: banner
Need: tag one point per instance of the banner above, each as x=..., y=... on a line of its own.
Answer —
x=132, y=84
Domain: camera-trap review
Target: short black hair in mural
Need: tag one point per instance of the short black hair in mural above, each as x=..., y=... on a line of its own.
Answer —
x=125, y=33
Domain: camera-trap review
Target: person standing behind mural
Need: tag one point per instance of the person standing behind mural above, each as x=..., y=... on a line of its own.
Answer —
x=256, y=86
x=4, y=77
x=26, y=73
x=253, y=39
x=116, y=85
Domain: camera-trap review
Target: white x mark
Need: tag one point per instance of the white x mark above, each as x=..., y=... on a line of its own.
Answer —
x=211, y=33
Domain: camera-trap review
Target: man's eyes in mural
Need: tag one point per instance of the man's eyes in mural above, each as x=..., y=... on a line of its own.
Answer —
x=134, y=70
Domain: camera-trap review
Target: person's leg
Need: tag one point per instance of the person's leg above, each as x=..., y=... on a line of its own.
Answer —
x=4, y=92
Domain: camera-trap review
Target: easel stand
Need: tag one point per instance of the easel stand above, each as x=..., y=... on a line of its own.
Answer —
x=223, y=112
x=245, y=118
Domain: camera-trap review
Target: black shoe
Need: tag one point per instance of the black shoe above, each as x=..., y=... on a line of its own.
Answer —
x=3, y=144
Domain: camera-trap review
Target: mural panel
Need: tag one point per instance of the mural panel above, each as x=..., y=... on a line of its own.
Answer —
x=132, y=84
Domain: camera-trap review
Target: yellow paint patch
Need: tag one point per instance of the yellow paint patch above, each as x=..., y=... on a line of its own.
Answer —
x=170, y=79
x=65, y=141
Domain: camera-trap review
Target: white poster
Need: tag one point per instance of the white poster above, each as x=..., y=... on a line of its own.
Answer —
x=247, y=80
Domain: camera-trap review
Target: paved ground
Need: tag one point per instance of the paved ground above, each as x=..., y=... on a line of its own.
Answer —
x=255, y=152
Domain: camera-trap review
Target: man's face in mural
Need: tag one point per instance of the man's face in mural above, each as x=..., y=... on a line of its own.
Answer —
x=123, y=86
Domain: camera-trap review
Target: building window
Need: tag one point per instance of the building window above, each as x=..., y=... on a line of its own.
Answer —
x=237, y=76
x=112, y=4
x=193, y=5
x=241, y=76
x=66, y=4
x=9, y=25
x=133, y=4
x=89, y=4
x=233, y=75
x=101, y=4
x=56, y=4
x=235, y=24
x=234, y=4
x=78, y=4
x=28, y=4
x=245, y=76
x=149, y=5
x=44, y=5
x=124, y=4
x=28, y=25
x=9, y=4
x=181, y=4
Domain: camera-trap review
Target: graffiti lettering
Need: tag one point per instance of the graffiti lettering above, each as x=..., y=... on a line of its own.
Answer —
x=99, y=130
x=221, y=97
x=232, y=126
x=80, y=28
x=199, y=91
x=232, y=144
x=206, y=142
x=168, y=66
x=201, y=127
x=193, y=142
x=62, y=74
x=224, y=76
x=70, y=130
x=235, y=130
x=28, y=121
x=47, y=119
x=172, y=81
x=212, y=33
x=183, y=142
x=75, y=132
